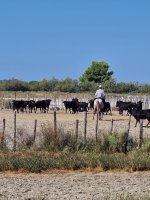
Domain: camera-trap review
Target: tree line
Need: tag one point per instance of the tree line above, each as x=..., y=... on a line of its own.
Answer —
x=97, y=73
x=72, y=86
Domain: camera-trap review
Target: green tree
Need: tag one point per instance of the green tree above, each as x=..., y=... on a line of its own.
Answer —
x=44, y=85
x=97, y=72
x=110, y=85
x=34, y=86
x=88, y=86
x=53, y=84
x=14, y=85
x=68, y=85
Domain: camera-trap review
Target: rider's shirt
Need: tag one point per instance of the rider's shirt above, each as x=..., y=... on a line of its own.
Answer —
x=100, y=93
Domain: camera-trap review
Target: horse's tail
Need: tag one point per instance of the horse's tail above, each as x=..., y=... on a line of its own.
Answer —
x=98, y=107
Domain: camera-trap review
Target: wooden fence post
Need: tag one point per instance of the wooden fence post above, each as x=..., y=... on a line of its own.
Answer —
x=96, y=127
x=111, y=125
x=129, y=122
x=127, y=135
x=34, y=132
x=3, y=133
x=76, y=129
x=3, y=106
x=14, y=145
x=55, y=122
x=85, y=127
x=141, y=134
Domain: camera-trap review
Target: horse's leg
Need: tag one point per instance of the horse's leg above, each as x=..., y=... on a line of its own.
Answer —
x=101, y=115
x=94, y=113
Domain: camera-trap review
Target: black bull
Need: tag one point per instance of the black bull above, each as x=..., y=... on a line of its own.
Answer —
x=75, y=106
x=23, y=105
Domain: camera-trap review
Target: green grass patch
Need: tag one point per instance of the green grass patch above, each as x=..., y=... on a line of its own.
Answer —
x=41, y=161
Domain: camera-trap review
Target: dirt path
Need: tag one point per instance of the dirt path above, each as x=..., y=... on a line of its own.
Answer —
x=71, y=186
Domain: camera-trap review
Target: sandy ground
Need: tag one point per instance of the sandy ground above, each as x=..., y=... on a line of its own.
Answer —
x=72, y=185
x=25, y=123
x=75, y=185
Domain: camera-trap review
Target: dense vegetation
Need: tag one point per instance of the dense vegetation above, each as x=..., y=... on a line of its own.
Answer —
x=97, y=73
x=69, y=85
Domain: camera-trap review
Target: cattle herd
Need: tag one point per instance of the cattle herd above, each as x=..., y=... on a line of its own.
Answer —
x=30, y=105
x=134, y=109
x=75, y=106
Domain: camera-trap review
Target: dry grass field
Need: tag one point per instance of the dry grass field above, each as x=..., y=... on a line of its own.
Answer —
x=25, y=123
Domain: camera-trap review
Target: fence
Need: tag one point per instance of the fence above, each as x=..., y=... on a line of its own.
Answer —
x=76, y=130
x=57, y=100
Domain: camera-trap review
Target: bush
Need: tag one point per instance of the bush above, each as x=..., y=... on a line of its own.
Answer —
x=59, y=141
x=116, y=142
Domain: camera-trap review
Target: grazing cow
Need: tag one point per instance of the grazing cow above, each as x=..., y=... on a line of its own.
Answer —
x=43, y=105
x=71, y=105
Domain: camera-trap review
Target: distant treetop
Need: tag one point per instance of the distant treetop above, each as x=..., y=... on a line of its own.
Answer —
x=97, y=72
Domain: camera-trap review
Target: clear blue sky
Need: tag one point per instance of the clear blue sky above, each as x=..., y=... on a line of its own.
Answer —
x=42, y=39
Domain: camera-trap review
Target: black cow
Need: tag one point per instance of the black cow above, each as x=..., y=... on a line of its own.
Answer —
x=139, y=105
x=71, y=105
x=16, y=105
x=31, y=105
x=140, y=114
x=124, y=106
x=23, y=105
x=91, y=104
x=106, y=108
x=82, y=106
x=43, y=105
x=127, y=106
x=135, y=106
x=19, y=105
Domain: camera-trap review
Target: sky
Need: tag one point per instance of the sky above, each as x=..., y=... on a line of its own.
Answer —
x=45, y=39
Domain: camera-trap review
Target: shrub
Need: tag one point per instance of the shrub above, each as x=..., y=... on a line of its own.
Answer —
x=59, y=141
x=116, y=142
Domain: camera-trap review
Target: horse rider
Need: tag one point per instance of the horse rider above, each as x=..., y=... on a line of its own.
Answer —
x=100, y=94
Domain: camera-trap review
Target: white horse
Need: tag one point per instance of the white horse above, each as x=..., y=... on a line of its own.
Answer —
x=98, y=106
